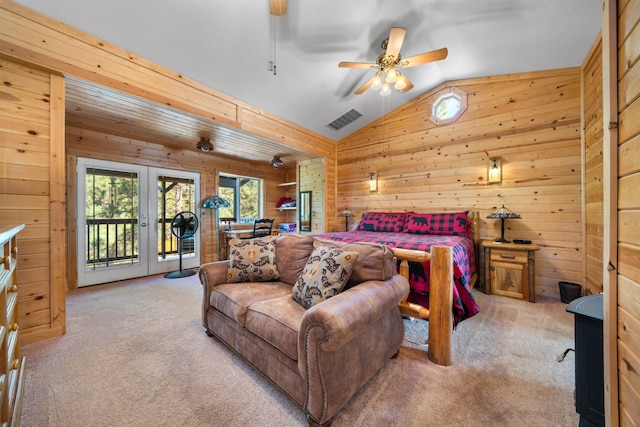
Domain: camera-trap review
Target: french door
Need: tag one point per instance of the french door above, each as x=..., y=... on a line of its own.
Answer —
x=124, y=220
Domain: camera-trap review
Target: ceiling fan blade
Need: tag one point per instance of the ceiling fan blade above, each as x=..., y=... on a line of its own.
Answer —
x=396, y=37
x=408, y=86
x=365, y=86
x=423, y=58
x=347, y=64
x=278, y=7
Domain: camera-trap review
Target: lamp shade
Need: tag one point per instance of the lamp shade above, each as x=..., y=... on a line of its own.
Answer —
x=216, y=202
x=502, y=214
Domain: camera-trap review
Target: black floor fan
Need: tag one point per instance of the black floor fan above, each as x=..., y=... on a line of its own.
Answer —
x=183, y=226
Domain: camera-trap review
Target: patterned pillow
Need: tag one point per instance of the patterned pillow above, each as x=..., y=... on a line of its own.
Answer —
x=324, y=276
x=252, y=260
x=382, y=221
x=452, y=224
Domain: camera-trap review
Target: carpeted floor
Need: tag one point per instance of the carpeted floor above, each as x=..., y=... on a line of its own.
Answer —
x=135, y=354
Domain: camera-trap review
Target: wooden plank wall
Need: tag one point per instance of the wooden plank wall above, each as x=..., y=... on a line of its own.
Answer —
x=31, y=191
x=311, y=177
x=593, y=169
x=530, y=120
x=91, y=144
x=629, y=211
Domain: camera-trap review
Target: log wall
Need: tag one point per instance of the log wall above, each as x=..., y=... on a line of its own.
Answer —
x=628, y=211
x=530, y=120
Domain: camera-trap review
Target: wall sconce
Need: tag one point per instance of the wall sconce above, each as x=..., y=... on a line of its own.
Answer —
x=373, y=181
x=495, y=170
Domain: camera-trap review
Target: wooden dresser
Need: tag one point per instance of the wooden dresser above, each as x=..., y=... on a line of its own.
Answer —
x=11, y=364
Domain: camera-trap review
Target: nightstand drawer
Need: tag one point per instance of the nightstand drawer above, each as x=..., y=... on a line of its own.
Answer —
x=519, y=257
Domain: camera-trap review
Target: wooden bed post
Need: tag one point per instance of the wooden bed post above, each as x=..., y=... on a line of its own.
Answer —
x=441, y=305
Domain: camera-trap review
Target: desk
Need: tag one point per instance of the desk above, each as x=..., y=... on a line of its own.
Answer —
x=233, y=234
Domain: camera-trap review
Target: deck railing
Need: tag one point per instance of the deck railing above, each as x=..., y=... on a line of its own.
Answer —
x=113, y=242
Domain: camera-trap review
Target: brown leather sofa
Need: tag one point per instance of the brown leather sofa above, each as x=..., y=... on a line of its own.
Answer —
x=320, y=356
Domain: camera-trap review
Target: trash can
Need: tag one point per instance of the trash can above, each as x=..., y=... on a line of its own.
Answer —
x=569, y=291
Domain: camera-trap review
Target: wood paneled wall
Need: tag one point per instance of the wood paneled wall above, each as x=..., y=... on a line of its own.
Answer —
x=530, y=120
x=32, y=191
x=593, y=168
x=628, y=236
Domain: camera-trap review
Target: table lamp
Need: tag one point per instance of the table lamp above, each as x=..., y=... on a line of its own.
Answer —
x=346, y=214
x=216, y=202
x=502, y=214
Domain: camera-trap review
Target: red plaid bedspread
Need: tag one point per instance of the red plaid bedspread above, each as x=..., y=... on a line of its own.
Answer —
x=464, y=266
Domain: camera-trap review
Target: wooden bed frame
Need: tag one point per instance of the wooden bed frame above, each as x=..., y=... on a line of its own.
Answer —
x=440, y=311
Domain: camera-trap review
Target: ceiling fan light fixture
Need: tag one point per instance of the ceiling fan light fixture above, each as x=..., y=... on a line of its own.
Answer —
x=392, y=76
x=401, y=83
x=276, y=162
x=385, y=91
x=377, y=82
x=204, y=144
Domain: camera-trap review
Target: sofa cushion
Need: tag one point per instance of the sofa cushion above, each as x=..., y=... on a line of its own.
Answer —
x=324, y=276
x=252, y=260
x=277, y=321
x=292, y=253
x=233, y=299
x=375, y=261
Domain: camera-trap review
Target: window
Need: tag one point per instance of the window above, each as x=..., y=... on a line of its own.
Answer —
x=448, y=105
x=244, y=195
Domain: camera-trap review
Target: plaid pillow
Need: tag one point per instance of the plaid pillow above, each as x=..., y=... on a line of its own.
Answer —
x=383, y=221
x=452, y=224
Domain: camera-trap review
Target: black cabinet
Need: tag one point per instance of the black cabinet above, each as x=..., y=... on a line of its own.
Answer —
x=589, y=393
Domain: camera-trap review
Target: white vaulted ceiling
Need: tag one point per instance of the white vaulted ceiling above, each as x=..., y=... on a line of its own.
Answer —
x=227, y=45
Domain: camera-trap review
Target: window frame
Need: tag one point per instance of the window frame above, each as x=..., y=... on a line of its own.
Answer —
x=444, y=93
x=236, y=202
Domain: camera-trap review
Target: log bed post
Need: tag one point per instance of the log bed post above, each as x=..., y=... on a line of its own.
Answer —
x=441, y=305
x=440, y=311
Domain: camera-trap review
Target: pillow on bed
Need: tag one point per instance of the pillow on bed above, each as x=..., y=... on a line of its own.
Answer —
x=450, y=223
x=324, y=276
x=383, y=221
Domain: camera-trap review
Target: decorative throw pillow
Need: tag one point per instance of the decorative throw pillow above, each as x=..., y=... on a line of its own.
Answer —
x=252, y=260
x=382, y=221
x=452, y=224
x=324, y=276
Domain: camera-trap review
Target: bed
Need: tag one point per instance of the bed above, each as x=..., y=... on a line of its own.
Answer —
x=434, y=250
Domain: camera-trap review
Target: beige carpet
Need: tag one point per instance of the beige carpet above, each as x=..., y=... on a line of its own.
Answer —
x=135, y=354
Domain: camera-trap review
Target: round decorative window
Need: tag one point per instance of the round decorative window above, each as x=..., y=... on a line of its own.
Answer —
x=448, y=105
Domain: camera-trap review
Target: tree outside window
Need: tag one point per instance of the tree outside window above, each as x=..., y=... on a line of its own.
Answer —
x=244, y=195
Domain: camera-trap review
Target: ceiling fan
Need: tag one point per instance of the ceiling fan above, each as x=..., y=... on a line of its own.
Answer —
x=389, y=62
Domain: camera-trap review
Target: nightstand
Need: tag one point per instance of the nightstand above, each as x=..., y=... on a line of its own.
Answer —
x=509, y=269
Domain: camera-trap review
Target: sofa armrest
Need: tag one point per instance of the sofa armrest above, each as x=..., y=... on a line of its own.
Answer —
x=346, y=339
x=345, y=315
x=211, y=275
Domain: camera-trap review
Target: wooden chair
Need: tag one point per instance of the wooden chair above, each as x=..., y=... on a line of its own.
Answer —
x=262, y=227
